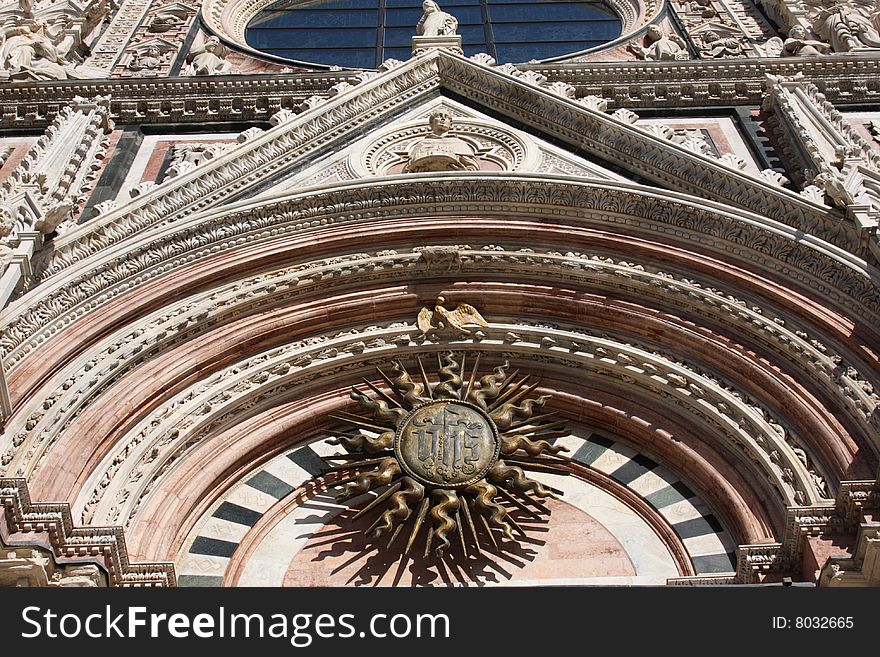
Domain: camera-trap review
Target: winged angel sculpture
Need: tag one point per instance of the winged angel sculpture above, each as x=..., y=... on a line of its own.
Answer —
x=441, y=320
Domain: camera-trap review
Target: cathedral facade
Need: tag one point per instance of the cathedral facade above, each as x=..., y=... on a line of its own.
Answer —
x=249, y=249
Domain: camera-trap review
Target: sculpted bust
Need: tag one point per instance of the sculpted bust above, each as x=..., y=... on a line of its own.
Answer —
x=435, y=22
x=439, y=151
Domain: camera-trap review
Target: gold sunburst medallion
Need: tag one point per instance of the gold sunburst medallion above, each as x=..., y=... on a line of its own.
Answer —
x=449, y=457
x=447, y=443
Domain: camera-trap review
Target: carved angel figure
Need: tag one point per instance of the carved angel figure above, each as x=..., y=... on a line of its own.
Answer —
x=435, y=21
x=796, y=45
x=720, y=47
x=660, y=47
x=209, y=59
x=441, y=320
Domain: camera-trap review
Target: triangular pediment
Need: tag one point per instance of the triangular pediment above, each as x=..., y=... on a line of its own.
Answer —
x=495, y=146
x=306, y=142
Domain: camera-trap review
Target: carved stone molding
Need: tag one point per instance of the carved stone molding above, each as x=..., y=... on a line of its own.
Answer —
x=51, y=306
x=756, y=561
x=496, y=149
x=128, y=350
x=135, y=468
x=33, y=566
x=700, y=83
x=35, y=430
x=703, y=83
x=44, y=193
x=28, y=522
x=838, y=160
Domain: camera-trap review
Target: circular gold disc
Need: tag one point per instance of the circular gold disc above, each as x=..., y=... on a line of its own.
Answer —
x=447, y=443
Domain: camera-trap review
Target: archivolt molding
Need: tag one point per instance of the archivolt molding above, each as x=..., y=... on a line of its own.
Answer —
x=227, y=397
x=48, y=309
x=48, y=415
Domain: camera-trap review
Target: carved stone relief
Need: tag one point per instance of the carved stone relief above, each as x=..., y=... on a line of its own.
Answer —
x=492, y=147
x=27, y=567
x=44, y=40
x=44, y=193
x=723, y=29
x=842, y=166
x=209, y=58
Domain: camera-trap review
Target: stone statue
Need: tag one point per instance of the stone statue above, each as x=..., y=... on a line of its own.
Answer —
x=720, y=47
x=798, y=45
x=148, y=61
x=209, y=59
x=846, y=29
x=435, y=22
x=660, y=47
x=441, y=320
x=29, y=51
x=440, y=152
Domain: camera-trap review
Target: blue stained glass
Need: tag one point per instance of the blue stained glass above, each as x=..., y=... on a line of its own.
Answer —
x=348, y=33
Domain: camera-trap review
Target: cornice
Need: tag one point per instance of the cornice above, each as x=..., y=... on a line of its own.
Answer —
x=712, y=83
x=676, y=84
x=168, y=100
x=104, y=545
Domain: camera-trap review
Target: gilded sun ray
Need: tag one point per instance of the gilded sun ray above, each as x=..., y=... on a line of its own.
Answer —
x=447, y=459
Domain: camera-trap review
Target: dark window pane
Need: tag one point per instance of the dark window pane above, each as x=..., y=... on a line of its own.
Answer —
x=546, y=11
x=398, y=53
x=410, y=17
x=472, y=34
x=523, y=52
x=319, y=18
x=537, y=32
x=345, y=32
x=296, y=5
x=345, y=58
x=286, y=39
